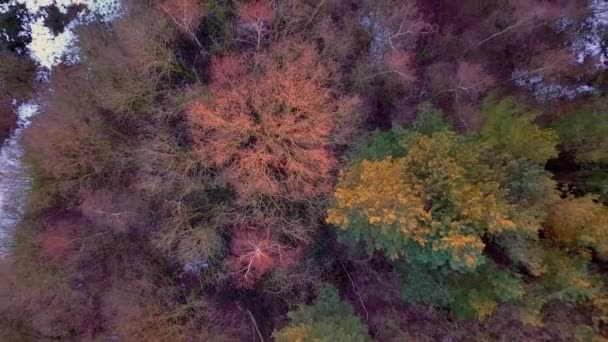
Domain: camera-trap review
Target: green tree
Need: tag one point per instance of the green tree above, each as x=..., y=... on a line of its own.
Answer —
x=584, y=131
x=434, y=204
x=327, y=319
x=474, y=295
x=510, y=128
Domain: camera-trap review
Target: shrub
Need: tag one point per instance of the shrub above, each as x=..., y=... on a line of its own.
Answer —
x=568, y=278
x=269, y=130
x=327, y=319
x=424, y=287
x=129, y=64
x=189, y=213
x=70, y=143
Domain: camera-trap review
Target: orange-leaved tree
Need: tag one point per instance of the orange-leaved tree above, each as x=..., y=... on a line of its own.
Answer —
x=271, y=121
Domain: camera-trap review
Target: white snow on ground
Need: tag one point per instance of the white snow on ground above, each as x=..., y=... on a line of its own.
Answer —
x=587, y=45
x=14, y=182
x=107, y=9
x=48, y=50
x=590, y=44
x=544, y=91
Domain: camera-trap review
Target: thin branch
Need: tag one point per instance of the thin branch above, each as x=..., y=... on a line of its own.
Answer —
x=481, y=42
x=352, y=282
x=315, y=12
x=255, y=325
x=390, y=72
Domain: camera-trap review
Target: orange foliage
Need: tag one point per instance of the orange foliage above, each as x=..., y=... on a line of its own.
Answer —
x=269, y=131
x=226, y=68
x=255, y=253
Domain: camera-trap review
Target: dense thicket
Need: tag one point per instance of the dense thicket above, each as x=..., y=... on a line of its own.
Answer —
x=316, y=170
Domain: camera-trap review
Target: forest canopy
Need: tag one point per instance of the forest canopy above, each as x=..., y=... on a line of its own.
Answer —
x=299, y=170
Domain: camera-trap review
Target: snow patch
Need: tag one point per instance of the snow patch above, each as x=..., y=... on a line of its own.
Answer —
x=14, y=180
x=546, y=91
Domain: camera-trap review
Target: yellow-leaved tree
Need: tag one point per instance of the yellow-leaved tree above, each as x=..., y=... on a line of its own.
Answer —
x=579, y=223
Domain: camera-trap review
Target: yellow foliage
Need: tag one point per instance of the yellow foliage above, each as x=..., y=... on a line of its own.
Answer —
x=441, y=191
x=579, y=222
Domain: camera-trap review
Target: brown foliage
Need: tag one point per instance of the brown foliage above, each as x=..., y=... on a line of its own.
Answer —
x=402, y=64
x=269, y=131
x=473, y=79
x=186, y=14
x=460, y=84
x=255, y=253
x=107, y=209
x=405, y=21
x=70, y=141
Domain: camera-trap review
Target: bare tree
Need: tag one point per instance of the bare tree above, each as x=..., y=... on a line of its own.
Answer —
x=186, y=14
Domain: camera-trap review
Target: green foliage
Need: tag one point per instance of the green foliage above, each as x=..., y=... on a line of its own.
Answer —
x=529, y=183
x=510, y=128
x=474, y=295
x=425, y=287
x=567, y=278
x=429, y=120
x=531, y=187
x=584, y=131
x=392, y=143
x=382, y=145
x=328, y=319
x=436, y=202
x=477, y=295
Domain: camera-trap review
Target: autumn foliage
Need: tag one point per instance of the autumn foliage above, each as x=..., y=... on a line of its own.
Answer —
x=580, y=223
x=268, y=127
x=255, y=253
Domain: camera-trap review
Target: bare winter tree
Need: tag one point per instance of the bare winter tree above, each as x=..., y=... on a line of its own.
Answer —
x=255, y=18
x=185, y=14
